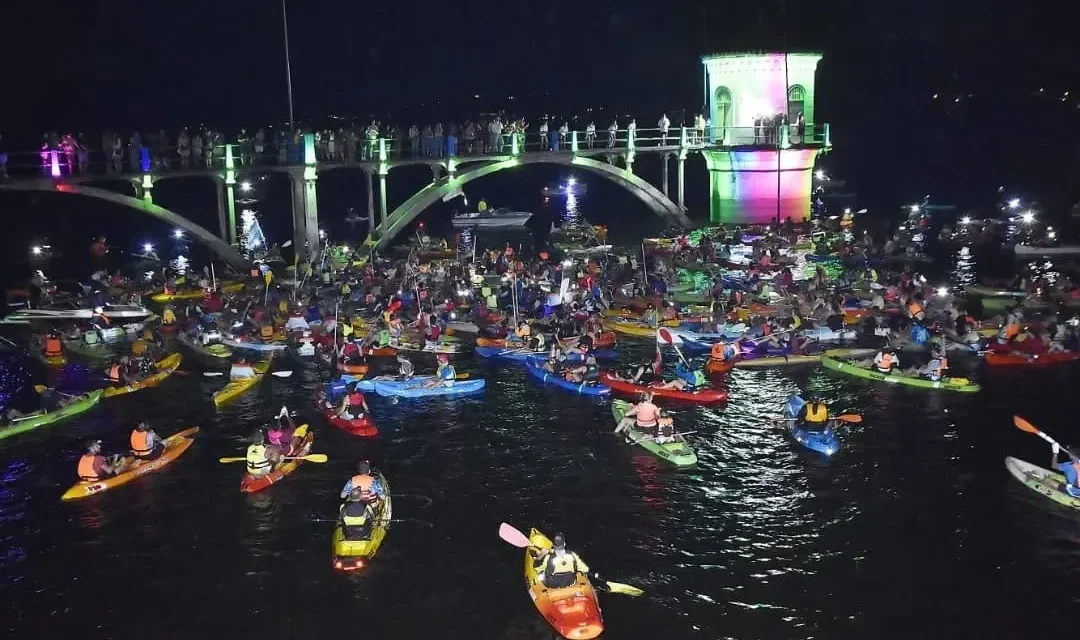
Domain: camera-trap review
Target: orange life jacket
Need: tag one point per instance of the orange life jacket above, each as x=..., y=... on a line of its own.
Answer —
x=915, y=309
x=717, y=351
x=364, y=482
x=86, y=467
x=646, y=414
x=886, y=362
x=53, y=347
x=140, y=443
x=114, y=373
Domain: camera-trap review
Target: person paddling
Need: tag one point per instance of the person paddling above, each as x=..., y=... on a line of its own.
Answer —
x=261, y=457
x=558, y=567
x=145, y=444
x=445, y=374
x=644, y=415
x=814, y=415
x=1069, y=467
x=93, y=466
x=406, y=370
x=369, y=486
x=354, y=406
x=357, y=516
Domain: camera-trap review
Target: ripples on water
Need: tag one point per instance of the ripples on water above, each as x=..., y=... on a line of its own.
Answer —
x=913, y=528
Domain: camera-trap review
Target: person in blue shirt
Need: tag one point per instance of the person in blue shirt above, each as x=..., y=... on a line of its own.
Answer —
x=694, y=378
x=445, y=373
x=1070, y=467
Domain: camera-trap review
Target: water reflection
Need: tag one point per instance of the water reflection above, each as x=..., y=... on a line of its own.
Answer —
x=963, y=270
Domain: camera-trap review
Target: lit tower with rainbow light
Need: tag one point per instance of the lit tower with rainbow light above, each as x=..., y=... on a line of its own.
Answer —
x=762, y=168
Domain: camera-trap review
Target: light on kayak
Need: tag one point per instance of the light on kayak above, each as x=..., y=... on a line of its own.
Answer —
x=178, y=233
x=966, y=220
x=1014, y=203
x=147, y=248
x=942, y=291
x=36, y=250
x=245, y=186
x=1028, y=217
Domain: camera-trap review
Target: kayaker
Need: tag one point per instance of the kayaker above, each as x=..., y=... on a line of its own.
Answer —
x=115, y=373
x=693, y=378
x=559, y=567
x=93, y=466
x=665, y=427
x=814, y=415
x=261, y=457
x=1010, y=331
x=406, y=371
x=168, y=316
x=145, y=444
x=350, y=352
x=587, y=372
x=644, y=415
x=886, y=361
x=370, y=488
x=1070, y=467
x=522, y=334
x=280, y=433
x=445, y=374
x=357, y=515
x=938, y=365
x=241, y=370
x=354, y=405
x=53, y=345
x=916, y=308
x=724, y=351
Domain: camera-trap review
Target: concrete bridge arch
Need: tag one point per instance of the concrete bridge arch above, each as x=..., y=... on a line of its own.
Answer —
x=406, y=212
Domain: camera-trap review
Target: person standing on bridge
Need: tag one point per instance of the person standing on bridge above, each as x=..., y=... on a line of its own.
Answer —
x=439, y=142
x=544, y=133
x=612, y=130
x=564, y=131
x=414, y=141
x=590, y=134
x=664, y=125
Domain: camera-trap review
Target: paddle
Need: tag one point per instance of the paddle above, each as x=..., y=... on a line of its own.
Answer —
x=846, y=417
x=518, y=539
x=311, y=457
x=40, y=388
x=281, y=374
x=684, y=433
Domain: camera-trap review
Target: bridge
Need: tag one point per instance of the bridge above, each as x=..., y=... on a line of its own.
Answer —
x=454, y=163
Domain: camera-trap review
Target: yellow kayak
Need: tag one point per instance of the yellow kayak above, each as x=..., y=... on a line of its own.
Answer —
x=350, y=555
x=232, y=391
x=195, y=294
x=175, y=445
x=630, y=328
x=165, y=368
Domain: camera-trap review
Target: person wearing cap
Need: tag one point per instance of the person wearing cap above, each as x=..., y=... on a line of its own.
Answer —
x=445, y=374
x=93, y=466
x=1069, y=467
x=145, y=444
x=558, y=567
x=406, y=370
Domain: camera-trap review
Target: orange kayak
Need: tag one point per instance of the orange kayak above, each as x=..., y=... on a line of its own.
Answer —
x=175, y=446
x=356, y=369
x=605, y=340
x=718, y=367
x=251, y=484
x=1036, y=360
x=573, y=611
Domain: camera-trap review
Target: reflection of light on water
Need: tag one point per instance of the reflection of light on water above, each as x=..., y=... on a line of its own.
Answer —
x=963, y=271
x=572, y=214
x=180, y=264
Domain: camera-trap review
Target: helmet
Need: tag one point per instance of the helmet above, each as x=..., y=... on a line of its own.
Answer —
x=559, y=541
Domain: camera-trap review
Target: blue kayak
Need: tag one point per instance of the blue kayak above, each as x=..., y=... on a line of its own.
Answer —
x=415, y=388
x=584, y=388
x=521, y=355
x=824, y=442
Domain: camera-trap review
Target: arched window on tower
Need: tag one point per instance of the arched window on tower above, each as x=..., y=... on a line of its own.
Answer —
x=721, y=120
x=796, y=115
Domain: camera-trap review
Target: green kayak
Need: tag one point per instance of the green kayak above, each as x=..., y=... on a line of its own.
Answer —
x=1044, y=481
x=677, y=453
x=41, y=418
x=948, y=384
x=98, y=352
x=214, y=353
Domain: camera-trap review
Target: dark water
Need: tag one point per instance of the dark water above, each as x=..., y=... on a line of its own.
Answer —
x=913, y=529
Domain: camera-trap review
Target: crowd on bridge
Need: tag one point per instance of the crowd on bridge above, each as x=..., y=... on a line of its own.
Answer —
x=489, y=134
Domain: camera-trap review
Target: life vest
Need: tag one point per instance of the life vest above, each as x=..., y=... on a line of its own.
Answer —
x=114, y=373
x=168, y=316
x=717, y=351
x=356, y=399
x=816, y=413
x=886, y=362
x=53, y=347
x=646, y=414
x=560, y=563
x=350, y=350
x=283, y=306
x=355, y=520
x=86, y=468
x=446, y=372
x=938, y=372
x=365, y=483
x=266, y=332
x=141, y=443
x=1009, y=331
x=916, y=310
x=766, y=329
x=256, y=459
x=138, y=347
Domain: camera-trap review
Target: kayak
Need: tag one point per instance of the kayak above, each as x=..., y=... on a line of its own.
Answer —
x=778, y=361
x=214, y=351
x=231, y=391
x=825, y=334
x=1049, y=483
x=991, y=292
x=449, y=348
x=363, y=427
x=355, y=369
x=584, y=388
x=718, y=367
x=415, y=388
x=706, y=395
x=165, y=368
x=1036, y=360
x=175, y=446
x=82, y=404
x=52, y=361
x=603, y=341
x=350, y=555
x=631, y=328
x=522, y=354
x=191, y=294
x=573, y=611
x=948, y=384
x=677, y=452
x=251, y=484
x=98, y=351
x=254, y=346
x=824, y=442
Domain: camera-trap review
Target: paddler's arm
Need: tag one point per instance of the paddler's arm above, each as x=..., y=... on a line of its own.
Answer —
x=347, y=489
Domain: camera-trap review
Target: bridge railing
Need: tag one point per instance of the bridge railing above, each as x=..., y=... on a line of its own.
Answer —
x=57, y=163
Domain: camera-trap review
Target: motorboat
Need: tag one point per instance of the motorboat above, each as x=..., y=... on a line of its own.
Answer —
x=492, y=218
x=114, y=312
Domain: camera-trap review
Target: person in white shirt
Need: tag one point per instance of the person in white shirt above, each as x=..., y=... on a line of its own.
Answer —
x=612, y=129
x=664, y=124
x=590, y=135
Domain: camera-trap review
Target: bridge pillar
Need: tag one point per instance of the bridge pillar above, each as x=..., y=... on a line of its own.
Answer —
x=573, y=142
x=299, y=209
x=628, y=160
x=384, y=171
x=436, y=170
x=222, y=209
x=148, y=187
x=311, y=201
x=368, y=174
x=664, y=173
x=684, y=149
x=230, y=195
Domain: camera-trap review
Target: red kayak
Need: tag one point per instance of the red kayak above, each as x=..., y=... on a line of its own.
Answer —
x=1043, y=359
x=701, y=396
x=364, y=427
x=357, y=369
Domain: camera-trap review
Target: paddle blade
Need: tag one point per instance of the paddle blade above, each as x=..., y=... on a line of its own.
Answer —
x=39, y=388
x=282, y=374
x=624, y=589
x=513, y=536
x=212, y=374
x=1024, y=425
x=227, y=460
x=849, y=417
x=315, y=457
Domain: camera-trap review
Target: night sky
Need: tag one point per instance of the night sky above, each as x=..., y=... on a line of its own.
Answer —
x=126, y=64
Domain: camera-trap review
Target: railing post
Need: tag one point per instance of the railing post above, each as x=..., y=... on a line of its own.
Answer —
x=785, y=137
x=54, y=163
x=382, y=150
x=630, y=138
x=573, y=142
x=515, y=150
x=827, y=135
x=684, y=141
x=148, y=187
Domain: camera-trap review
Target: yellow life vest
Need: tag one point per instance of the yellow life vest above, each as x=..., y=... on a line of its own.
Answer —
x=256, y=459
x=817, y=412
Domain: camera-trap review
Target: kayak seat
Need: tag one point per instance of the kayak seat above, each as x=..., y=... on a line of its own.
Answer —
x=355, y=534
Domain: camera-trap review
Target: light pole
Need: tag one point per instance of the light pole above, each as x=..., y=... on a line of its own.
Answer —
x=288, y=69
